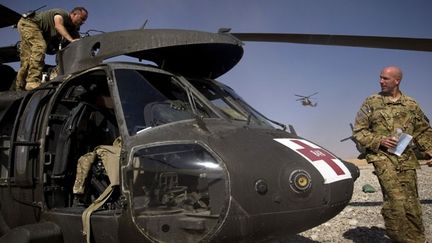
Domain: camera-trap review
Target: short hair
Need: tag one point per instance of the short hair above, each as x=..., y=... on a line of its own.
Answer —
x=79, y=9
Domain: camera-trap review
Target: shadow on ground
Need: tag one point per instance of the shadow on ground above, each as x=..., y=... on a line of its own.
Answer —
x=366, y=234
x=379, y=203
x=290, y=239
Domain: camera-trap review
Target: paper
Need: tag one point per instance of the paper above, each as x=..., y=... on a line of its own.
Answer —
x=404, y=140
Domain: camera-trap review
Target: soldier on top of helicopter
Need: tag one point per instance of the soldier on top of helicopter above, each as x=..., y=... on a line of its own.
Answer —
x=40, y=33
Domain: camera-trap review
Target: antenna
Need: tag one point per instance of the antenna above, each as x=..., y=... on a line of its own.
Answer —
x=145, y=23
x=32, y=12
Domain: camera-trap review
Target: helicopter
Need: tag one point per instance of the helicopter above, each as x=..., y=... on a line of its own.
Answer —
x=196, y=163
x=306, y=100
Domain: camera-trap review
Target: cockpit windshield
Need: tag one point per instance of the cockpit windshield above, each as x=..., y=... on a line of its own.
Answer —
x=228, y=102
x=150, y=99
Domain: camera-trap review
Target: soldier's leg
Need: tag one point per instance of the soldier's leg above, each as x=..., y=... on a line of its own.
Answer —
x=37, y=61
x=415, y=228
x=83, y=168
x=24, y=55
x=37, y=56
x=393, y=210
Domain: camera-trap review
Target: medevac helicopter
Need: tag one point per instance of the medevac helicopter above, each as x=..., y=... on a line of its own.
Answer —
x=307, y=100
x=196, y=162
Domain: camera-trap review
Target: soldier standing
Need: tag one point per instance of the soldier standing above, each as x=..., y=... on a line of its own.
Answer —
x=42, y=32
x=376, y=123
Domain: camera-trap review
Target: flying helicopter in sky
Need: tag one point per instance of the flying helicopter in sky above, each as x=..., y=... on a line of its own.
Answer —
x=307, y=100
x=196, y=162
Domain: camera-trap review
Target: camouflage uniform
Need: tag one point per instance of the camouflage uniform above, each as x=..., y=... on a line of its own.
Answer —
x=32, y=54
x=38, y=35
x=379, y=117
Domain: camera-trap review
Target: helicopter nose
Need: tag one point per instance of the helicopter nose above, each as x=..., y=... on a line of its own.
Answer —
x=290, y=184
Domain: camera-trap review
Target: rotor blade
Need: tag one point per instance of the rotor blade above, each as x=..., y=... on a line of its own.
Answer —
x=413, y=44
x=313, y=94
x=8, y=17
x=300, y=95
x=9, y=54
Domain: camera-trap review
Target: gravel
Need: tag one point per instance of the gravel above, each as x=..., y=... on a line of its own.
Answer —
x=361, y=220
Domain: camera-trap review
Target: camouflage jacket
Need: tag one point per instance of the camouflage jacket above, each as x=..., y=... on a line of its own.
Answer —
x=379, y=117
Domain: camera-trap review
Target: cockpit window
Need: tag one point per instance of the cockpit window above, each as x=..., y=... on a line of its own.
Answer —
x=184, y=185
x=229, y=102
x=214, y=95
x=151, y=99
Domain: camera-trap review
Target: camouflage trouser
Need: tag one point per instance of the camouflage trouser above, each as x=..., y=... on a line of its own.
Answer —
x=401, y=209
x=32, y=54
x=109, y=154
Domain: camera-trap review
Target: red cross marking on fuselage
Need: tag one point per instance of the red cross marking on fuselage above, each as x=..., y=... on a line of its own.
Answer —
x=315, y=154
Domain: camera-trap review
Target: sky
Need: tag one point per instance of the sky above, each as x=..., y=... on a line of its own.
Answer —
x=270, y=74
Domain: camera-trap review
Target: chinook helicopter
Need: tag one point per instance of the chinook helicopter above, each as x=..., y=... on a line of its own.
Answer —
x=196, y=162
x=307, y=100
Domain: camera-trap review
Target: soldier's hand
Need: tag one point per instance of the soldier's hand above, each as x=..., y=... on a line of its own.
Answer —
x=389, y=142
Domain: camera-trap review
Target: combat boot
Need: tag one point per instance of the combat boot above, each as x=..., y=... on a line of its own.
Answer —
x=32, y=85
x=18, y=85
